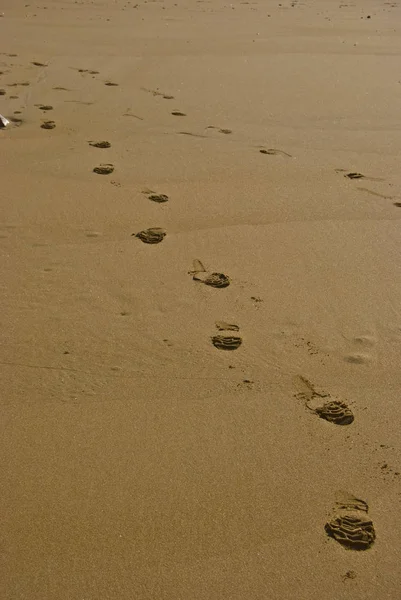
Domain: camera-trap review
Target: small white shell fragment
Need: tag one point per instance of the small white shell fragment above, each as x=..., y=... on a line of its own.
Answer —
x=3, y=122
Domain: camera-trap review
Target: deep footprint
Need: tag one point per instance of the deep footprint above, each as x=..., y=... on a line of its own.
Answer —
x=216, y=280
x=104, y=169
x=153, y=235
x=226, y=342
x=350, y=525
x=335, y=412
x=354, y=175
x=48, y=125
x=160, y=198
x=103, y=144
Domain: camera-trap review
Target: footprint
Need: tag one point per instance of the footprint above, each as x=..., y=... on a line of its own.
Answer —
x=44, y=106
x=129, y=114
x=223, y=326
x=153, y=235
x=356, y=175
x=48, y=125
x=225, y=131
x=38, y=64
x=104, y=169
x=17, y=121
x=274, y=152
x=373, y=193
x=198, y=135
x=178, y=113
x=398, y=204
x=100, y=144
x=3, y=92
x=358, y=359
x=157, y=93
x=336, y=412
x=111, y=84
x=216, y=280
x=225, y=341
x=333, y=411
x=160, y=198
x=350, y=525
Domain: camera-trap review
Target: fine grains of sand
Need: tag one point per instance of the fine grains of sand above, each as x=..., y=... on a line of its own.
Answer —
x=201, y=348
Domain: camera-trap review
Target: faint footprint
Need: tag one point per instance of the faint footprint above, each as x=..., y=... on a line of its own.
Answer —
x=358, y=359
x=191, y=134
x=373, y=193
x=274, y=152
x=356, y=175
x=224, y=326
x=216, y=280
x=153, y=235
x=157, y=93
x=226, y=341
x=333, y=411
x=225, y=131
x=104, y=169
x=350, y=524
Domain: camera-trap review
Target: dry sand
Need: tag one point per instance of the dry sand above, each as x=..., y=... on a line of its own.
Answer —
x=140, y=461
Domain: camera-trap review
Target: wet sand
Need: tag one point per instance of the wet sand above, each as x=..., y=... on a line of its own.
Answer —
x=168, y=433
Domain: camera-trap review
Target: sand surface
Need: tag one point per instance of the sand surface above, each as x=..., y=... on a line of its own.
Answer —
x=139, y=461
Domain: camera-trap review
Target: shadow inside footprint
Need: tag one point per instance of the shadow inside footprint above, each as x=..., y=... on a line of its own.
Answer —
x=48, y=125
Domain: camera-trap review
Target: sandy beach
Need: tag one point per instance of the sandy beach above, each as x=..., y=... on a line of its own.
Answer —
x=201, y=318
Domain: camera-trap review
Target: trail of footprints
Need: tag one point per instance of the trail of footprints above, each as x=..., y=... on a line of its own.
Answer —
x=349, y=523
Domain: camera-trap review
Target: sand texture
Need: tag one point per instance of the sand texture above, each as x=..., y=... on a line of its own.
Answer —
x=200, y=271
